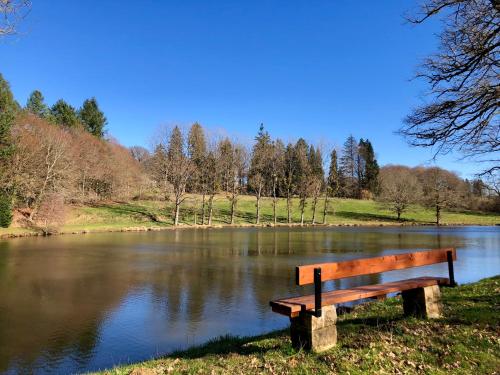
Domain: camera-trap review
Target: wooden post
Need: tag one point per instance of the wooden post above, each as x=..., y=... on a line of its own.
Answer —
x=451, y=272
x=317, y=292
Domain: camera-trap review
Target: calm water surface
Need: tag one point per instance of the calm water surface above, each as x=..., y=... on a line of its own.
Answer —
x=79, y=303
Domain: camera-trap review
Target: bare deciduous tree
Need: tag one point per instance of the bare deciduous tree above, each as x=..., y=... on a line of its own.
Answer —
x=399, y=188
x=51, y=214
x=11, y=13
x=441, y=189
x=463, y=76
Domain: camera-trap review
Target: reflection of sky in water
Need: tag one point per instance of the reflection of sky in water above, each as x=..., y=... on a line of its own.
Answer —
x=74, y=303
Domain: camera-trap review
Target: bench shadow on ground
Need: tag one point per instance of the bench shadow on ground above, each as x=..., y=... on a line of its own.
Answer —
x=467, y=310
x=232, y=345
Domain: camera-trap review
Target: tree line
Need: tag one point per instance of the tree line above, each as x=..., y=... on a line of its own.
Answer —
x=51, y=156
x=54, y=155
x=191, y=163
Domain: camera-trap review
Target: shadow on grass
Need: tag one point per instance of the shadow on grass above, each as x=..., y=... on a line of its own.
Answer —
x=249, y=217
x=232, y=344
x=128, y=209
x=364, y=216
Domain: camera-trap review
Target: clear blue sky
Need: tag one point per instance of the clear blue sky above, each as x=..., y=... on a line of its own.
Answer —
x=317, y=69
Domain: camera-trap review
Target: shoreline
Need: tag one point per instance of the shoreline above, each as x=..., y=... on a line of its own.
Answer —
x=373, y=338
x=125, y=229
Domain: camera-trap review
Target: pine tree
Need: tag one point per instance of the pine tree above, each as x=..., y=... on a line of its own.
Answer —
x=64, y=114
x=289, y=178
x=303, y=174
x=180, y=169
x=8, y=108
x=276, y=169
x=5, y=209
x=332, y=183
x=197, y=153
x=349, y=167
x=372, y=169
x=316, y=177
x=259, y=167
x=92, y=118
x=368, y=168
x=36, y=104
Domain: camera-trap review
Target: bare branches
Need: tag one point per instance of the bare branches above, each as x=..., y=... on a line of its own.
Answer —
x=464, y=83
x=12, y=12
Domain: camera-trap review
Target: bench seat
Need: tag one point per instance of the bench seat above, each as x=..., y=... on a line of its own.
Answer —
x=294, y=305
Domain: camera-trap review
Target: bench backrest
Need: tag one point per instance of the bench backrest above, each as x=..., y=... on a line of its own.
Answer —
x=339, y=270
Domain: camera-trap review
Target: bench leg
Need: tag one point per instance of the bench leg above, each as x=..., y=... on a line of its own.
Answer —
x=423, y=302
x=316, y=334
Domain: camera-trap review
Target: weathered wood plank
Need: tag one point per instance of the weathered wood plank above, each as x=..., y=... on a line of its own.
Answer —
x=293, y=306
x=366, y=266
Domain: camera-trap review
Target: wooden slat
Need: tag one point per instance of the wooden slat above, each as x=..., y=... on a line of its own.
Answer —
x=332, y=271
x=293, y=306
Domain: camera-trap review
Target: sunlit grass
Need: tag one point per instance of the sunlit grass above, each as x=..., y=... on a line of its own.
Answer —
x=141, y=215
x=374, y=339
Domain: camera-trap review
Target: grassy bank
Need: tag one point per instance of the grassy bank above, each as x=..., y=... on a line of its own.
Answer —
x=375, y=338
x=140, y=215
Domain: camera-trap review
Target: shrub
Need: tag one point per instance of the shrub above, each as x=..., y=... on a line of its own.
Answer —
x=5, y=210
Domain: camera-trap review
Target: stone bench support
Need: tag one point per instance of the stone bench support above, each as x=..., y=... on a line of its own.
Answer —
x=316, y=334
x=423, y=302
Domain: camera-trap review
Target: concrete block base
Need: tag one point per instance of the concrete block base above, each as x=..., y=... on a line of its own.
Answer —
x=423, y=302
x=316, y=334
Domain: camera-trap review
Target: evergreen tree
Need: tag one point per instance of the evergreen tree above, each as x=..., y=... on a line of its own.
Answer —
x=5, y=209
x=316, y=177
x=180, y=169
x=92, y=117
x=64, y=114
x=36, y=104
x=303, y=174
x=8, y=108
x=289, y=178
x=334, y=178
x=333, y=182
x=259, y=167
x=197, y=153
x=349, y=167
x=368, y=167
x=197, y=144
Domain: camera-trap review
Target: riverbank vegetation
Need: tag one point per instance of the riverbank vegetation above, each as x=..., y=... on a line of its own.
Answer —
x=57, y=163
x=153, y=215
x=374, y=338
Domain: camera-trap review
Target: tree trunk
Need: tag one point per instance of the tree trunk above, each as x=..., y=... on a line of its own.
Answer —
x=325, y=208
x=438, y=214
x=399, y=215
x=177, y=207
x=233, y=201
x=302, y=207
x=275, y=219
x=203, y=210
x=210, y=209
x=315, y=202
x=288, y=201
x=257, y=218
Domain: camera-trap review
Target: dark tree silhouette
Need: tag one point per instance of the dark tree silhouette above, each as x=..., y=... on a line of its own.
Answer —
x=463, y=77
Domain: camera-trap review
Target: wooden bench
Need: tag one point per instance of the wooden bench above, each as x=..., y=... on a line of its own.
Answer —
x=313, y=317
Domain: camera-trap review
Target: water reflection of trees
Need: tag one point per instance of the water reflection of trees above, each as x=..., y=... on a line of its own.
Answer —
x=54, y=304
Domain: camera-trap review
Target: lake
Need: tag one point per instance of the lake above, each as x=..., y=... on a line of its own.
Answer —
x=87, y=302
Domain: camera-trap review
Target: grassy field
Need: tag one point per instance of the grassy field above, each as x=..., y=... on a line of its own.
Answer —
x=374, y=339
x=107, y=216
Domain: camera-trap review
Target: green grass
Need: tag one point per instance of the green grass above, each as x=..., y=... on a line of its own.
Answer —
x=374, y=339
x=108, y=216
